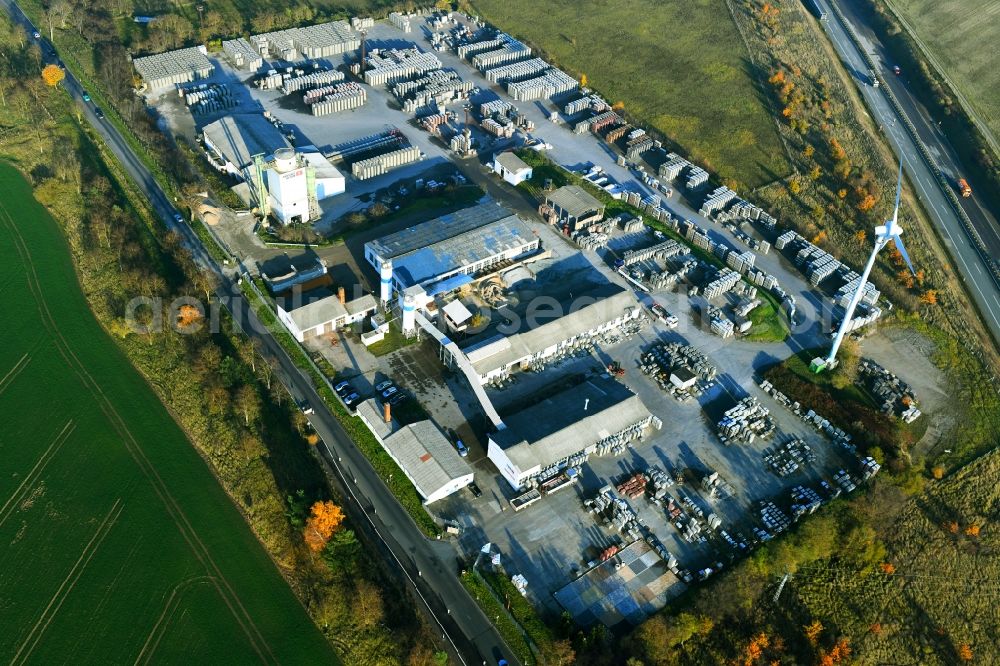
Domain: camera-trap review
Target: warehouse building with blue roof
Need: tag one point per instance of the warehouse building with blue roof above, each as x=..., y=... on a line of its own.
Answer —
x=445, y=253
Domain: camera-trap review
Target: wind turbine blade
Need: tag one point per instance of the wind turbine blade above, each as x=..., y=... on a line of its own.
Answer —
x=902, y=251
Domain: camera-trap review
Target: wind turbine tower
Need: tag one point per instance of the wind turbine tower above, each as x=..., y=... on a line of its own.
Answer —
x=890, y=231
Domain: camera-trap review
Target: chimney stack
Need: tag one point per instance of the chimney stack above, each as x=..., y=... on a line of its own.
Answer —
x=342, y=295
x=387, y=409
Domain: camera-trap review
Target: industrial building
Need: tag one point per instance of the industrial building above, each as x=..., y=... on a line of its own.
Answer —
x=565, y=429
x=421, y=450
x=498, y=355
x=456, y=245
x=572, y=208
x=309, y=316
x=171, y=68
x=511, y=168
x=281, y=181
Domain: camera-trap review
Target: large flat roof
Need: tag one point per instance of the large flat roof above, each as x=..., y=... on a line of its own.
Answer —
x=427, y=456
x=241, y=136
x=172, y=63
x=569, y=421
x=585, y=315
x=434, y=248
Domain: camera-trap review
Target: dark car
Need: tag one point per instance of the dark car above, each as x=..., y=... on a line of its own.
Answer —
x=474, y=489
x=98, y=112
x=389, y=391
x=383, y=385
x=343, y=387
x=351, y=399
x=398, y=398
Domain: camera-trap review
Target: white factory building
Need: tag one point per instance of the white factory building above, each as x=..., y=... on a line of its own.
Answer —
x=497, y=355
x=590, y=418
x=421, y=450
x=282, y=181
x=511, y=168
x=308, y=317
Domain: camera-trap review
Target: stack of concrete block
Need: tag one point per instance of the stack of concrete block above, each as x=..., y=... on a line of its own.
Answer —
x=358, y=23
x=402, y=21
x=470, y=49
x=242, y=54
x=496, y=107
x=717, y=200
x=331, y=99
x=376, y=166
x=497, y=129
x=516, y=71
x=552, y=82
x=744, y=422
x=382, y=67
x=673, y=166
x=509, y=52
x=311, y=80
x=696, y=178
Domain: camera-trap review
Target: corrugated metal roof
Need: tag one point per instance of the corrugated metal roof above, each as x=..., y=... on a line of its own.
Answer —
x=438, y=229
x=511, y=162
x=574, y=200
x=487, y=357
x=559, y=426
x=239, y=137
x=426, y=456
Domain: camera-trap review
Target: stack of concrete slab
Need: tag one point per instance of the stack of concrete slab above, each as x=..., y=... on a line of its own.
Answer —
x=311, y=80
x=339, y=97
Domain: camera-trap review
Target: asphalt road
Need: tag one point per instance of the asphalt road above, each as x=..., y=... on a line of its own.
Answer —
x=970, y=263
x=430, y=567
x=936, y=141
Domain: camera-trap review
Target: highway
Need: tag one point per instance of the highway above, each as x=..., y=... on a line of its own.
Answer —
x=430, y=568
x=936, y=141
x=971, y=263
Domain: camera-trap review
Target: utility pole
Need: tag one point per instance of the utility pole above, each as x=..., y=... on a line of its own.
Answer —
x=364, y=35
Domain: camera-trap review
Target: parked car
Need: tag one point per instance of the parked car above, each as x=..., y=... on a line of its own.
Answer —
x=342, y=387
x=381, y=386
x=474, y=489
x=351, y=399
x=463, y=450
x=389, y=391
x=398, y=398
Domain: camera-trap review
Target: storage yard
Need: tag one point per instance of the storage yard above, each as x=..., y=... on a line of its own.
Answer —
x=594, y=372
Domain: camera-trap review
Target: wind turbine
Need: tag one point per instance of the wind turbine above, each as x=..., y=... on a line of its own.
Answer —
x=890, y=231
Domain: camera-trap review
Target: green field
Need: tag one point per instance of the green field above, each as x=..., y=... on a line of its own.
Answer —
x=118, y=545
x=681, y=67
x=961, y=36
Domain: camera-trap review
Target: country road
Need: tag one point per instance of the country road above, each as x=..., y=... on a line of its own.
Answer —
x=972, y=265
x=430, y=568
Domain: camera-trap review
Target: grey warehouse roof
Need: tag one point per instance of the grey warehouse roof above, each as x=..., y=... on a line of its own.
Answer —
x=427, y=456
x=501, y=351
x=239, y=137
x=511, y=162
x=327, y=309
x=574, y=200
x=172, y=63
x=559, y=426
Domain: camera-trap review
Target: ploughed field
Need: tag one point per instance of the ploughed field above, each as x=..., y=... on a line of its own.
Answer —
x=117, y=545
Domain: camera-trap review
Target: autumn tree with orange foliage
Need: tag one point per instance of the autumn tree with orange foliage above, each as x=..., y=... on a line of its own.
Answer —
x=888, y=568
x=929, y=297
x=756, y=648
x=972, y=530
x=906, y=279
x=965, y=652
x=324, y=519
x=866, y=203
x=813, y=630
x=53, y=75
x=838, y=654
